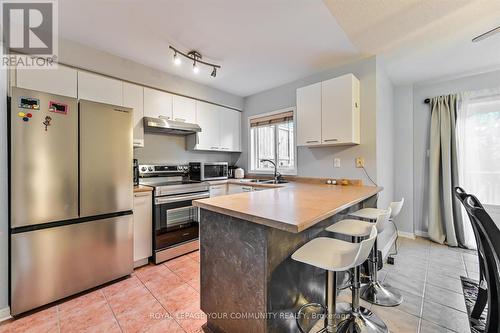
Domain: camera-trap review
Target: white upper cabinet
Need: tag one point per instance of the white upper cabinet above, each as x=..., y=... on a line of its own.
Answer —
x=60, y=81
x=208, y=118
x=340, y=110
x=230, y=129
x=133, y=97
x=157, y=104
x=220, y=129
x=98, y=88
x=309, y=115
x=184, y=109
x=328, y=113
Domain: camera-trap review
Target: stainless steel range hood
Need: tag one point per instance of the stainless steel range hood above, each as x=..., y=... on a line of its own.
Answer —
x=165, y=126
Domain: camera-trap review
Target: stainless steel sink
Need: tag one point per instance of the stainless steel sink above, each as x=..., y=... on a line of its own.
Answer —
x=262, y=181
x=268, y=181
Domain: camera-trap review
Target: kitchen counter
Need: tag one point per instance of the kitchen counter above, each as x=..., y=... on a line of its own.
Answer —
x=249, y=283
x=291, y=207
x=143, y=188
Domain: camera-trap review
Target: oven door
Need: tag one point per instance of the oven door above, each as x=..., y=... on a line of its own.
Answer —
x=215, y=171
x=176, y=219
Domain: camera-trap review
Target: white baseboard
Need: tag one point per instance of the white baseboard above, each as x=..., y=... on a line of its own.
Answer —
x=405, y=234
x=5, y=314
x=421, y=233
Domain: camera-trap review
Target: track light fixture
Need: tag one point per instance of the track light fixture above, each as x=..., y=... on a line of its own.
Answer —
x=487, y=34
x=195, y=56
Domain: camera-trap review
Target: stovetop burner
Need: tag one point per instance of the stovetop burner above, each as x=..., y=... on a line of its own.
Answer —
x=168, y=179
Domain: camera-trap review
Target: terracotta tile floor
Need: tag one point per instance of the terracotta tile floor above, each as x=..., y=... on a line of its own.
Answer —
x=165, y=298
x=162, y=298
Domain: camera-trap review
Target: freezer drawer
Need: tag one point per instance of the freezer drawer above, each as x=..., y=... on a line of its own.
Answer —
x=53, y=263
x=106, y=161
x=44, y=159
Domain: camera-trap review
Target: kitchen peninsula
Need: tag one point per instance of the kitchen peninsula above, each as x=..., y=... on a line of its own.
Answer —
x=249, y=283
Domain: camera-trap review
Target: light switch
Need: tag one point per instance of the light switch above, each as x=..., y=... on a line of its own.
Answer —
x=336, y=162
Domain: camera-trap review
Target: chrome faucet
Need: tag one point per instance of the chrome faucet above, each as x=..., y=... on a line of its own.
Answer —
x=277, y=175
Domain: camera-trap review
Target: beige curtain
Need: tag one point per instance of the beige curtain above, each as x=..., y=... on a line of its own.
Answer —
x=444, y=210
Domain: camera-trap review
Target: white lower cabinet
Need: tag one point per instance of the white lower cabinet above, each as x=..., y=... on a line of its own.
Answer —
x=218, y=190
x=143, y=227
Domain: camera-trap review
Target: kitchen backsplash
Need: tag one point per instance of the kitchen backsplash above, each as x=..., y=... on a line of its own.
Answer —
x=159, y=148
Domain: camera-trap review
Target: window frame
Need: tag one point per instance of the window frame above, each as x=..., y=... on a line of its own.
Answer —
x=290, y=172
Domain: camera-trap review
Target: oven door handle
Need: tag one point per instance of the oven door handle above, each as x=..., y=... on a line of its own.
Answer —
x=159, y=201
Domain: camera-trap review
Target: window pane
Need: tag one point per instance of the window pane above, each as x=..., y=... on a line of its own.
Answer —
x=265, y=146
x=286, y=149
x=273, y=142
x=480, y=156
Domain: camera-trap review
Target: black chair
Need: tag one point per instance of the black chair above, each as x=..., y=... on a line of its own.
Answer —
x=482, y=296
x=489, y=236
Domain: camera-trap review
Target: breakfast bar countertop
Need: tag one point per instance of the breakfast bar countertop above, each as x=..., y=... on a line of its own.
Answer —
x=293, y=207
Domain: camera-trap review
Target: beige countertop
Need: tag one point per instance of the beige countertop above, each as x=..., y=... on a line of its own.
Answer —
x=142, y=188
x=292, y=207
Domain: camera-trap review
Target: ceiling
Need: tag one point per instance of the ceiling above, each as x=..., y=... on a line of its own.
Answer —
x=421, y=40
x=262, y=44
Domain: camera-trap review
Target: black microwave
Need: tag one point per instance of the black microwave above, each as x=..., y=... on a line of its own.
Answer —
x=208, y=171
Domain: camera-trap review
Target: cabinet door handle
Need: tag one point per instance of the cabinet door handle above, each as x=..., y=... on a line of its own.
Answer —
x=180, y=119
x=214, y=147
x=141, y=194
x=329, y=140
x=164, y=117
x=223, y=148
x=312, y=141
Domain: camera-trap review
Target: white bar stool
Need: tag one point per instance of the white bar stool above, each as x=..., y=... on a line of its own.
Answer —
x=334, y=256
x=376, y=292
x=364, y=320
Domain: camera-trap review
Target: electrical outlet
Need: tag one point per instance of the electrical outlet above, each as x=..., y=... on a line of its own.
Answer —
x=360, y=162
x=336, y=162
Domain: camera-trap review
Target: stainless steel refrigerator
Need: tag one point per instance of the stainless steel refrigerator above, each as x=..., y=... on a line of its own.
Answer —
x=71, y=196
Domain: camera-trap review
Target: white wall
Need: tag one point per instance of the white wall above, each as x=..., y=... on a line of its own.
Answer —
x=4, y=222
x=415, y=96
x=385, y=137
x=318, y=162
x=403, y=155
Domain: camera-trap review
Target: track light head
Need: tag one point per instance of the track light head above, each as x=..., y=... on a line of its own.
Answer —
x=196, y=58
x=177, y=59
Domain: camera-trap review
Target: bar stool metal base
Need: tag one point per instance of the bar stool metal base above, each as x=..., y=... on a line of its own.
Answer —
x=363, y=321
x=379, y=294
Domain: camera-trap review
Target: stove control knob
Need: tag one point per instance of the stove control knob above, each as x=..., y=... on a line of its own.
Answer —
x=150, y=169
x=179, y=168
x=186, y=168
x=144, y=169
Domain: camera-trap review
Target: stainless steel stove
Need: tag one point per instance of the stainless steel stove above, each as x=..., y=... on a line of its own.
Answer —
x=175, y=219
